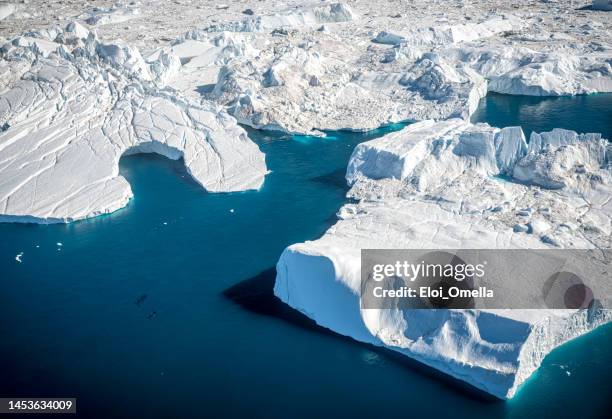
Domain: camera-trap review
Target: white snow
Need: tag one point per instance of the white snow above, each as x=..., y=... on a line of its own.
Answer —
x=71, y=112
x=433, y=185
x=7, y=9
x=278, y=71
x=116, y=14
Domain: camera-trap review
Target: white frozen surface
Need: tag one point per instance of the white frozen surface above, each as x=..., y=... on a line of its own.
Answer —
x=307, y=66
x=435, y=185
x=115, y=14
x=283, y=71
x=7, y=9
x=71, y=106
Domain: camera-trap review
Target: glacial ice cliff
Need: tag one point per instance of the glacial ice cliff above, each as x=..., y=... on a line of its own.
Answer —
x=437, y=185
x=71, y=106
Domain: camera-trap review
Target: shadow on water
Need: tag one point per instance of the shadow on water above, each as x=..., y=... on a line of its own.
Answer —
x=334, y=179
x=256, y=295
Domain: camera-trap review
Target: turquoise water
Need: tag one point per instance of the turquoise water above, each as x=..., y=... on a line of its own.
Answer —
x=162, y=310
x=588, y=113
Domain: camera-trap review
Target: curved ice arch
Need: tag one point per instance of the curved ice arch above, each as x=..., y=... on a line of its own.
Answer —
x=75, y=110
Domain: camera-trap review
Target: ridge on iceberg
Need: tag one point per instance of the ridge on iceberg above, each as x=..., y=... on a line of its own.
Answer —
x=437, y=185
x=71, y=106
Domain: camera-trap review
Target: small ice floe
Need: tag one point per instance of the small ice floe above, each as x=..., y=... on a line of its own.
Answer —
x=37, y=246
x=232, y=210
x=370, y=358
x=565, y=368
x=59, y=244
x=165, y=223
x=18, y=257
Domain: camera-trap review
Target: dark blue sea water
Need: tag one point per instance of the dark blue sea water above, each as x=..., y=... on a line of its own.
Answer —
x=162, y=310
x=588, y=113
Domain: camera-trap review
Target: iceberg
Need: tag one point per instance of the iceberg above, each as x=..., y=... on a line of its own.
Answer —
x=435, y=185
x=71, y=106
x=282, y=71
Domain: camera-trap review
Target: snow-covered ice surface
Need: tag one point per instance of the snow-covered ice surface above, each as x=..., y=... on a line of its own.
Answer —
x=436, y=185
x=71, y=106
x=303, y=67
x=6, y=9
x=313, y=68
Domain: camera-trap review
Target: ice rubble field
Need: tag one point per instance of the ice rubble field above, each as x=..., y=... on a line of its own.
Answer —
x=85, y=83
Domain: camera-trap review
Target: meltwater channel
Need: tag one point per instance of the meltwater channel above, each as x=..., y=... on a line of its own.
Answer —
x=164, y=308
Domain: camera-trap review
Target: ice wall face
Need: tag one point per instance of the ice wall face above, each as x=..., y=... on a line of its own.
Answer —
x=71, y=106
x=435, y=185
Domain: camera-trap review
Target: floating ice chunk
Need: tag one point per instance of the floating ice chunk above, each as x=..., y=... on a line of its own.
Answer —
x=304, y=86
x=305, y=16
x=449, y=34
x=387, y=157
x=555, y=159
x=18, y=257
x=431, y=186
x=78, y=30
x=81, y=110
x=115, y=14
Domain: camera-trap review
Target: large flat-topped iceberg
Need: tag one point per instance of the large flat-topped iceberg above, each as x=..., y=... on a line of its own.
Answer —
x=71, y=106
x=453, y=185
